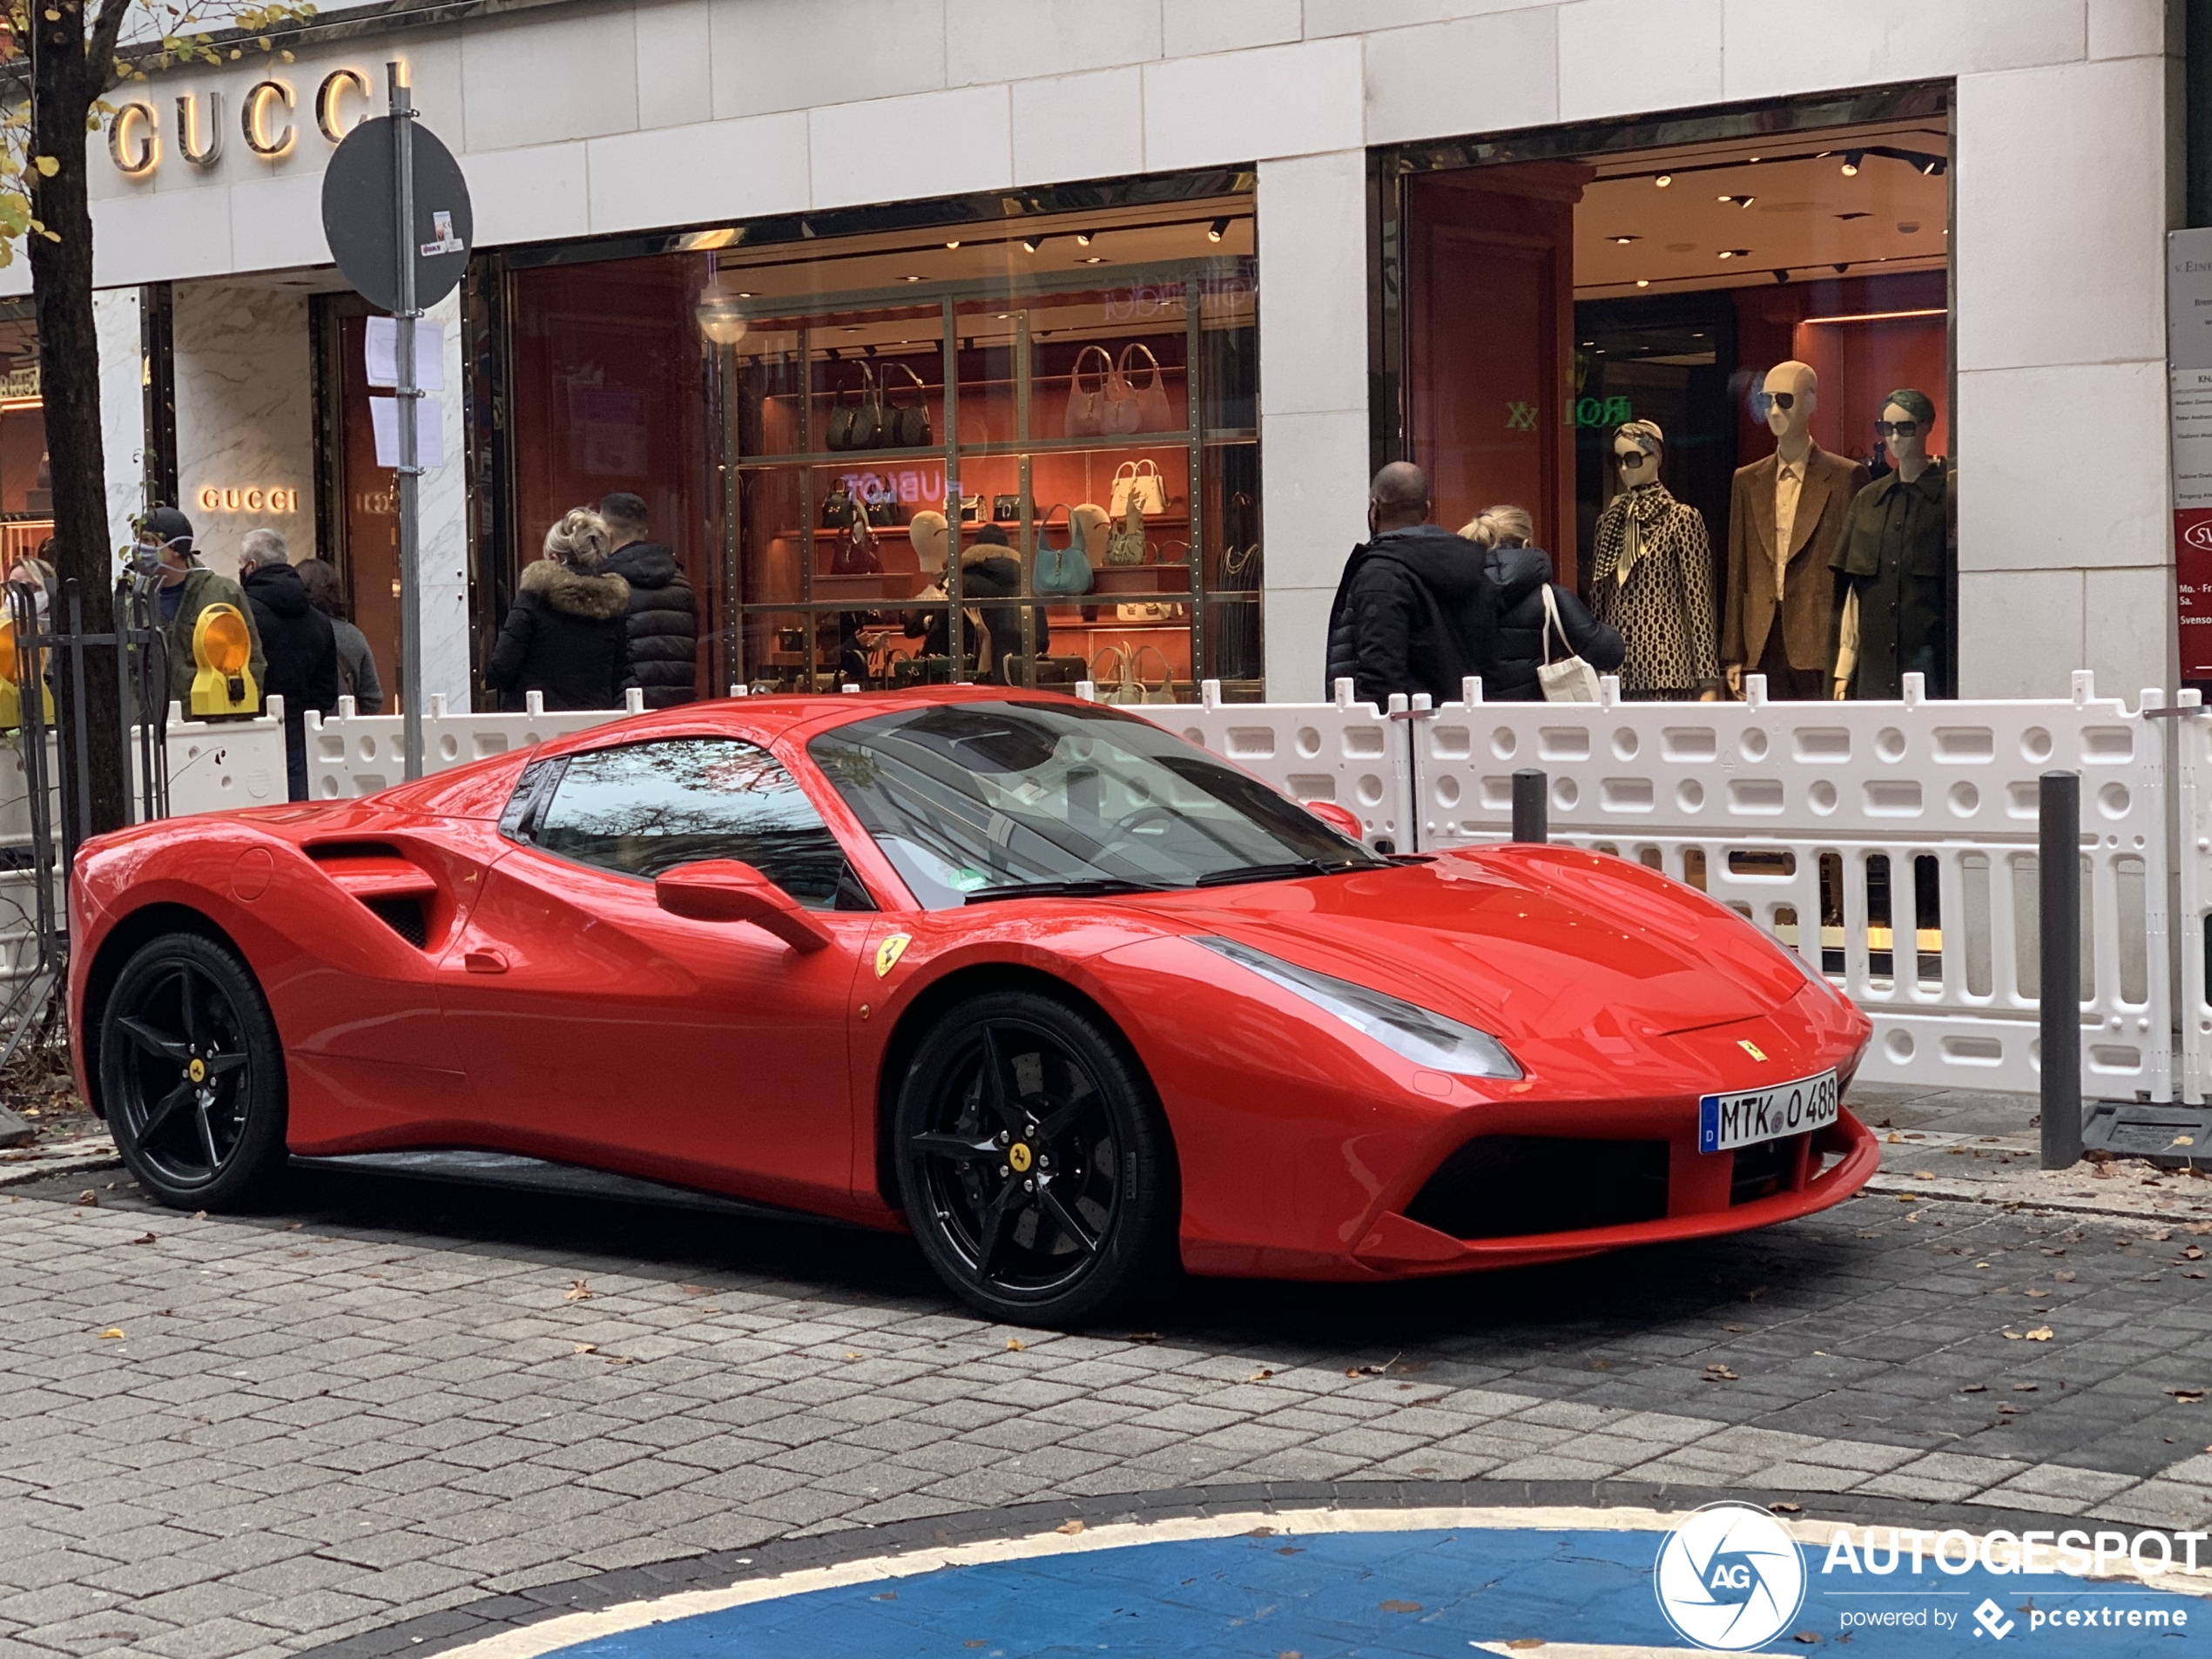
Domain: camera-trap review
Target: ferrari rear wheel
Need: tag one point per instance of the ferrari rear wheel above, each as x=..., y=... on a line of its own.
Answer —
x=1034, y=1164
x=191, y=1074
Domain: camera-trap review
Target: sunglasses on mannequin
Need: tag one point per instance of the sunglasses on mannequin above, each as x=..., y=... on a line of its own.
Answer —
x=1630, y=457
x=1761, y=401
x=1896, y=429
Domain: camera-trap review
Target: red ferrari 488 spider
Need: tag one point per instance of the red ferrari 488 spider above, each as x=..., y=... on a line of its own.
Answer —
x=1062, y=993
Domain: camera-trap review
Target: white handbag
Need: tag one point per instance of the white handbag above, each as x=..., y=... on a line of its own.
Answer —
x=1150, y=399
x=1087, y=409
x=1572, y=679
x=1139, y=480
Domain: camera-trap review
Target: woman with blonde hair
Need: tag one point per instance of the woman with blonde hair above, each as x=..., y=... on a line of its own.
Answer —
x=567, y=635
x=1528, y=636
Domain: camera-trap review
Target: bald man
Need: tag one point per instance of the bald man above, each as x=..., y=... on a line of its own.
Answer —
x=1415, y=609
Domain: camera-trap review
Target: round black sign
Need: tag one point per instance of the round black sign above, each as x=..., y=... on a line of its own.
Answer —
x=358, y=214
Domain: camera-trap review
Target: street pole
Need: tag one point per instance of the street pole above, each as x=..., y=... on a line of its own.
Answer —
x=1531, y=809
x=2058, y=921
x=407, y=396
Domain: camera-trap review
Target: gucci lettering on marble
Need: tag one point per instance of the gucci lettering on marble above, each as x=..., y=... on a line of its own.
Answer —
x=216, y=498
x=265, y=119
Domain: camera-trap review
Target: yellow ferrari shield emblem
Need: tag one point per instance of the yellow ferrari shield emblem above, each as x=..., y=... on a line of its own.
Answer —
x=197, y=1071
x=1749, y=1047
x=1018, y=1155
x=887, y=953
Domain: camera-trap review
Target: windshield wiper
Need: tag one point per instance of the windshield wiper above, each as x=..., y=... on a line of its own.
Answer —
x=1275, y=872
x=1073, y=889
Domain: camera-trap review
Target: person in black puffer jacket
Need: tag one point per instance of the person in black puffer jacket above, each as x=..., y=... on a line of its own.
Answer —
x=566, y=635
x=297, y=641
x=1414, y=610
x=664, y=610
x=1520, y=573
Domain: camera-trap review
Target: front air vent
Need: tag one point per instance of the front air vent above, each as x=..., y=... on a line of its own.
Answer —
x=1497, y=1186
x=404, y=917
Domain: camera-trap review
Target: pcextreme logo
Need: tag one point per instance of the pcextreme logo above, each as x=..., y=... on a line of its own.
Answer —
x=1729, y=1577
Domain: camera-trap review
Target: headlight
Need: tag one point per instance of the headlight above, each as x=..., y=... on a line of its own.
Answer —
x=1425, y=1038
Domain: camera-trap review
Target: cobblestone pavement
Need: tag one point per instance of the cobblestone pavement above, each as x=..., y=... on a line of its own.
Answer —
x=254, y=1435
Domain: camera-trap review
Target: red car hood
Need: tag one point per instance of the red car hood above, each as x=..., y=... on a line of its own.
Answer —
x=1520, y=942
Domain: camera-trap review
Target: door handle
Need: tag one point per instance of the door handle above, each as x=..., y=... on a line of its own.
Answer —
x=484, y=962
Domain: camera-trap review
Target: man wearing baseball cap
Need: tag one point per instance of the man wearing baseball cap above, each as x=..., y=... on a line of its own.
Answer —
x=184, y=589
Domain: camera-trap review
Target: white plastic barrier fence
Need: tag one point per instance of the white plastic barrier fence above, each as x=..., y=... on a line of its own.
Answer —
x=1342, y=751
x=1891, y=844
x=2193, y=904
x=351, y=755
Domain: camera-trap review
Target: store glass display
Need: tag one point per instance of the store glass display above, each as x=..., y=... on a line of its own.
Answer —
x=1715, y=372
x=1024, y=455
x=26, y=486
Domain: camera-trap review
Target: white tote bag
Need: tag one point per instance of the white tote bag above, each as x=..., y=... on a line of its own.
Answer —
x=1570, y=679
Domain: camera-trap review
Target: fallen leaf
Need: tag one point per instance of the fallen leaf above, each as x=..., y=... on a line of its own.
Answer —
x=1069, y=1528
x=1015, y=1345
x=2182, y=1139
x=2041, y=1333
x=1525, y=1642
x=587, y=1347
x=624, y=1360
x=2192, y=1253
x=1895, y=1139
x=1399, y=1606
x=1981, y=1263
x=2024, y=1388
x=199, y=1215
x=2187, y=1396
x=1924, y=1175
x=2009, y=1411
x=1261, y=1375
x=1787, y=1508
x=88, y=1199
x=695, y=1290
x=1720, y=1373
x=110, y=1333
x=577, y=1291
x=2035, y=1293
x=1907, y=1198
x=1261, y=1532
x=1739, y=1329
x=2011, y=1336
x=2065, y=1275
x=1975, y=1388
x=143, y=1238
x=1144, y=1336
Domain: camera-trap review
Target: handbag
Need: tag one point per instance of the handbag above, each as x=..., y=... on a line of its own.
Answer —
x=1005, y=510
x=859, y=424
x=1149, y=400
x=1118, y=410
x=1572, y=679
x=905, y=426
x=1139, y=482
x=1133, y=670
x=1086, y=409
x=1125, y=540
x=1148, y=611
x=839, y=509
x=971, y=509
x=1061, y=570
x=854, y=553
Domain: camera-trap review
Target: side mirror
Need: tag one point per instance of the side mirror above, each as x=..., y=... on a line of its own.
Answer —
x=1342, y=819
x=730, y=890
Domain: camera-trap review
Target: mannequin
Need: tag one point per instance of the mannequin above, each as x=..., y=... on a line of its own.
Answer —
x=1892, y=565
x=1651, y=578
x=1785, y=518
x=928, y=532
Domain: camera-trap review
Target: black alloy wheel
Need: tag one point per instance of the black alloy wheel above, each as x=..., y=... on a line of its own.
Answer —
x=1034, y=1164
x=191, y=1075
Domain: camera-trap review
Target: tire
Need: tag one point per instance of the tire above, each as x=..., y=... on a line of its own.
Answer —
x=1052, y=1198
x=209, y=1140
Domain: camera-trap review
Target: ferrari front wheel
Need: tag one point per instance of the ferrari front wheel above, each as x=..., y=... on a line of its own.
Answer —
x=1034, y=1165
x=191, y=1074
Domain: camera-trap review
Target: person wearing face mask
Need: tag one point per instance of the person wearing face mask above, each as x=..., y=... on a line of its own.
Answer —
x=181, y=588
x=1892, y=565
x=1415, y=609
x=1651, y=578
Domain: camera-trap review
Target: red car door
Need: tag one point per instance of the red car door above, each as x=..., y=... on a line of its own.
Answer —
x=597, y=1028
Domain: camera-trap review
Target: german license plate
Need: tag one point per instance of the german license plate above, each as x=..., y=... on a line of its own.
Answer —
x=1754, y=1114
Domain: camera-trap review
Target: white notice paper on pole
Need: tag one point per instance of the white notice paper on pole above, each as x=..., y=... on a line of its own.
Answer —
x=383, y=352
x=430, y=432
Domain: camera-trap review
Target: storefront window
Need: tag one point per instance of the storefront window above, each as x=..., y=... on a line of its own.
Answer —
x=359, y=527
x=1024, y=452
x=26, y=484
x=1747, y=306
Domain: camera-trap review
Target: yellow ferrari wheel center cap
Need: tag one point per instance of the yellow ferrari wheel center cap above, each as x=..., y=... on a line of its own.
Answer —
x=197, y=1071
x=1020, y=1157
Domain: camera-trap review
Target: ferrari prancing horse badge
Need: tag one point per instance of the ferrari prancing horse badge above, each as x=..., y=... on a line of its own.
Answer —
x=887, y=953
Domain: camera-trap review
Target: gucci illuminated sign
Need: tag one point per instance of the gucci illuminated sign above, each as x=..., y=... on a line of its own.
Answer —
x=265, y=119
x=253, y=499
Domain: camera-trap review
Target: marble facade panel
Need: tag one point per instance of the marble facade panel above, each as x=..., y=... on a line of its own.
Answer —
x=245, y=416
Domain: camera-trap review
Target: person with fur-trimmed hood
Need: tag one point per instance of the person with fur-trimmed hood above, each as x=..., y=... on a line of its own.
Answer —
x=567, y=633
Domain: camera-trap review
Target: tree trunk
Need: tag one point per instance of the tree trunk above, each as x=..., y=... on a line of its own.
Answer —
x=69, y=358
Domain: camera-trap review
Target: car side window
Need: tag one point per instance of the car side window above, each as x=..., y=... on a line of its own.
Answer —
x=646, y=807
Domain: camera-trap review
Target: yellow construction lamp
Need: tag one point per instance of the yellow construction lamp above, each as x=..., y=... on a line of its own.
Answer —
x=222, y=648
x=11, y=693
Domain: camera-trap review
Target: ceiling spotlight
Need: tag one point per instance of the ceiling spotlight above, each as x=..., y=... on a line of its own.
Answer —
x=1852, y=159
x=1754, y=158
x=1933, y=166
x=1218, y=229
x=1663, y=180
x=1643, y=282
x=1095, y=258
x=1782, y=276
x=1841, y=265
x=744, y=296
x=1736, y=253
x=1082, y=238
x=1741, y=201
x=909, y=279
x=952, y=244
x=1033, y=243
x=1624, y=240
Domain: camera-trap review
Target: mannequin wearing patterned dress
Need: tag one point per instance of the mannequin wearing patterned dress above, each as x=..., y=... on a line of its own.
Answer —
x=1651, y=578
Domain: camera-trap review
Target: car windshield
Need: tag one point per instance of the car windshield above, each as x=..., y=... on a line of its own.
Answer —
x=983, y=800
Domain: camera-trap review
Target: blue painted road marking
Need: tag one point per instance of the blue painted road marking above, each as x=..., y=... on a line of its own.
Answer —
x=1423, y=1592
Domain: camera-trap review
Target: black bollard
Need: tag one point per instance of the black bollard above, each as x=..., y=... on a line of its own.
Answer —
x=1531, y=819
x=2059, y=862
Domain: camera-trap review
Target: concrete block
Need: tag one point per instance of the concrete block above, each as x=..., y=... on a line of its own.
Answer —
x=537, y=195
x=1811, y=44
x=799, y=54
x=1016, y=40
x=546, y=76
x=1616, y=56
x=1079, y=126
x=675, y=62
x=642, y=179
x=1477, y=75
x=1192, y=28
x=934, y=143
x=1253, y=106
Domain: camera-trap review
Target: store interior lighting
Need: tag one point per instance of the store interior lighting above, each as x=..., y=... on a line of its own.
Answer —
x=1663, y=180
x=1852, y=159
x=1216, y=230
